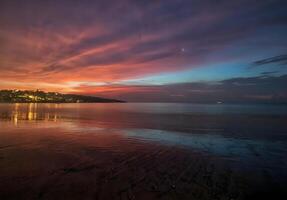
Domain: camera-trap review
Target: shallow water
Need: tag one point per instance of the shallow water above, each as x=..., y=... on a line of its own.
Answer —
x=48, y=150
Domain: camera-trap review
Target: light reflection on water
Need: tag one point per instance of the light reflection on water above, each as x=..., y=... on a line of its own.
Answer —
x=29, y=112
x=270, y=154
x=105, y=118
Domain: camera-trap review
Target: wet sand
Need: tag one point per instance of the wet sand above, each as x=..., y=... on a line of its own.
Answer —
x=51, y=163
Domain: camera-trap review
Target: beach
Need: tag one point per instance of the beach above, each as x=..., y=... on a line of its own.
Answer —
x=98, y=151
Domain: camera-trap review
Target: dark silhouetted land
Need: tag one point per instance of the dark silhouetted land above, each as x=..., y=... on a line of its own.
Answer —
x=30, y=96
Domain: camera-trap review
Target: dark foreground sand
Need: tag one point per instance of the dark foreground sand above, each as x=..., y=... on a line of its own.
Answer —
x=49, y=162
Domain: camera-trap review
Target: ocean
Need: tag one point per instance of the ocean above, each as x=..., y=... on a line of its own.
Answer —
x=142, y=151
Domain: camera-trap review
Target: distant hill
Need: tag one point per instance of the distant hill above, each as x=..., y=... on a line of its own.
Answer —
x=29, y=96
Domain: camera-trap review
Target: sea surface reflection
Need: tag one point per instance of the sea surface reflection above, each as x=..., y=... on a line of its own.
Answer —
x=29, y=111
x=109, y=136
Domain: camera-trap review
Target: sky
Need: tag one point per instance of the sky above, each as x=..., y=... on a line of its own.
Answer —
x=147, y=50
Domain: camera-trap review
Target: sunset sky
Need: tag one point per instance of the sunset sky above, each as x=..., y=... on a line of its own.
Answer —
x=147, y=50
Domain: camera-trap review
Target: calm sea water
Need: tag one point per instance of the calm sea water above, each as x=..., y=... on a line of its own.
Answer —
x=250, y=138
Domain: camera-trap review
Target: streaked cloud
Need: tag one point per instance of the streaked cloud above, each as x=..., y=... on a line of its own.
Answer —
x=264, y=89
x=281, y=59
x=88, y=46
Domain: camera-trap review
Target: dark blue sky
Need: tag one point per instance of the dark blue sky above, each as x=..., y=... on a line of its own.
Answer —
x=147, y=50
